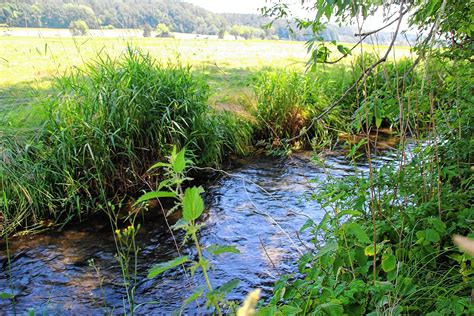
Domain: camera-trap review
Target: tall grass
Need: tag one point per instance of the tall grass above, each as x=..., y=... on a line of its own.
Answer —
x=287, y=101
x=107, y=123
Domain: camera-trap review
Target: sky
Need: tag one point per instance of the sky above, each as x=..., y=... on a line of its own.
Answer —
x=253, y=6
x=230, y=6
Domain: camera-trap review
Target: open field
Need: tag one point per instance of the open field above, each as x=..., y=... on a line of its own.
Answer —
x=29, y=63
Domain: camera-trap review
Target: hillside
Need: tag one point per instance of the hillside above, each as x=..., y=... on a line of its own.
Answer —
x=179, y=16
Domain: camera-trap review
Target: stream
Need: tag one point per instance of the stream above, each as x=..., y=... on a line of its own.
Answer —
x=257, y=208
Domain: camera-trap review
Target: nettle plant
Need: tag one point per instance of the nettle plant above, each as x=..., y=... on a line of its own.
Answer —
x=190, y=202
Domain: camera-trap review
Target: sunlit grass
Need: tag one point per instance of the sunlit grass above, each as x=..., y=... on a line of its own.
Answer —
x=28, y=65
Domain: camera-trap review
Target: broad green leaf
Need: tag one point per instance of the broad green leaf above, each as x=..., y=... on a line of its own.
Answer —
x=307, y=225
x=155, y=195
x=356, y=230
x=389, y=262
x=333, y=308
x=326, y=249
x=369, y=250
x=193, y=204
x=162, y=267
x=432, y=235
x=228, y=286
x=437, y=224
x=378, y=121
x=343, y=50
x=220, y=293
x=4, y=295
x=289, y=310
x=179, y=163
x=266, y=311
x=193, y=297
x=217, y=249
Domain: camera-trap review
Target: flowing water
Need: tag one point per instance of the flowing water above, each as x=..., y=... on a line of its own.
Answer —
x=258, y=207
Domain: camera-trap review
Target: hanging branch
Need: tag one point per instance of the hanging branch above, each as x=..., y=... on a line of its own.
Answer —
x=363, y=36
x=362, y=78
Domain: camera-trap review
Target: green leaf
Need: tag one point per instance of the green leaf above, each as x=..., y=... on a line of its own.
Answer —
x=369, y=250
x=289, y=310
x=356, y=230
x=333, y=308
x=159, y=164
x=432, y=235
x=193, y=204
x=155, y=195
x=228, y=286
x=162, y=267
x=4, y=295
x=343, y=50
x=179, y=161
x=329, y=247
x=217, y=249
x=389, y=262
x=193, y=297
x=307, y=225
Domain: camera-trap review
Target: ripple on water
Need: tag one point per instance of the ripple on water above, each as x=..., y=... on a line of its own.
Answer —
x=52, y=274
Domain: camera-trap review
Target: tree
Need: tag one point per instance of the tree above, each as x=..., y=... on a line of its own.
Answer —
x=163, y=30
x=222, y=31
x=147, y=30
x=235, y=31
x=78, y=27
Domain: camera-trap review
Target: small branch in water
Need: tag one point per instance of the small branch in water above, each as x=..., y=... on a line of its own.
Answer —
x=266, y=253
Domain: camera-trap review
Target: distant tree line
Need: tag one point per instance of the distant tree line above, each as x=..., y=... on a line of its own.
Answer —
x=150, y=15
x=178, y=16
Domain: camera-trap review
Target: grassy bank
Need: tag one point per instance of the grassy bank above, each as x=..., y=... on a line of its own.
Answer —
x=88, y=138
x=104, y=126
x=30, y=64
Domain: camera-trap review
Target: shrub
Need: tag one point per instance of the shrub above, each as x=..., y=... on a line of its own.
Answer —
x=287, y=101
x=163, y=30
x=78, y=28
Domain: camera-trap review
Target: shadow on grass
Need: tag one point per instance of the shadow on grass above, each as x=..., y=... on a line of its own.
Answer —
x=21, y=106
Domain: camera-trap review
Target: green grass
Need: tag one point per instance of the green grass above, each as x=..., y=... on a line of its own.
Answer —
x=69, y=146
x=105, y=125
x=28, y=64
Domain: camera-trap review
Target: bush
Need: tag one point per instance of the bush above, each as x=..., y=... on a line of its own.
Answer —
x=78, y=28
x=287, y=101
x=163, y=30
x=384, y=245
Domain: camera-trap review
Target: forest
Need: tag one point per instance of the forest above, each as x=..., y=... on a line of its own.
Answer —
x=238, y=177
x=177, y=15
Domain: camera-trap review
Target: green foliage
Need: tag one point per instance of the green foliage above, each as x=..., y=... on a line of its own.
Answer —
x=287, y=101
x=192, y=205
x=162, y=267
x=78, y=28
x=106, y=124
x=410, y=265
x=246, y=32
x=162, y=30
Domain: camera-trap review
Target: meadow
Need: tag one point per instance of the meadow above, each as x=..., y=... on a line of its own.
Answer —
x=104, y=125
x=30, y=62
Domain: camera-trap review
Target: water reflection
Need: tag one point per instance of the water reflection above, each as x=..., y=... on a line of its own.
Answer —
x=257, y=209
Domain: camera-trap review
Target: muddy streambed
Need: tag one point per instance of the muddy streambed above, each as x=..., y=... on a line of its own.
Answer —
x=52, y=272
